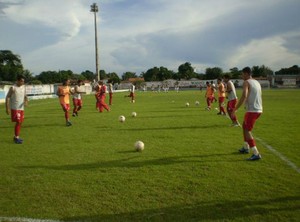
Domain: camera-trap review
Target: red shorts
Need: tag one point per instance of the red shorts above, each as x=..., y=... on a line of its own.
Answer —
x=66, y=107
x=231, y=104
x=131, y=94
x=221, y=99
x=249, y=120
x=77, y=102
x=17, y=116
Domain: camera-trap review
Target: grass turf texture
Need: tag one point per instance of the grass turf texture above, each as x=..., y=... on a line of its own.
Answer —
x=189, y=171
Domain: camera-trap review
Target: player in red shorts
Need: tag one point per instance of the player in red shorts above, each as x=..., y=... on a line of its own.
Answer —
x=63, y=93
x=221, y=97
x=77, y=97
x=253, y=100
x=132, y=93
x=15, y=101
x=209, y=95
x=232, y=100
x=101, y=98
x=110, y=91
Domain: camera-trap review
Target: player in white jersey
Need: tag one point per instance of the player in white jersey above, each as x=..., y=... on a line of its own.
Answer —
x=15, y=101
x=77, y=97
x=252, y=97
x=232, y=99
x=132, y=93
x=110, y=91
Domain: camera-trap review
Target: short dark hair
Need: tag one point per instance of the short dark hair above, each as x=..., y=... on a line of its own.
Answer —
x=247, y=70
x=19, y=77
x=219, y=79
x=226, y=76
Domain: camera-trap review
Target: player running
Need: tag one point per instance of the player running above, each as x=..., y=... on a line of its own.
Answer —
x=15, y=101
x=132, y=93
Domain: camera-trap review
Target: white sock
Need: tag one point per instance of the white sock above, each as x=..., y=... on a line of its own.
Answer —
x=254, y=150
x=246, y=145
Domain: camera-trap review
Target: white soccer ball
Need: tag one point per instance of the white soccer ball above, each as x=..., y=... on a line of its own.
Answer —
x=197, y=103
x=139, y=146
x=133, y=114
x=187, y=104
x=122, y=119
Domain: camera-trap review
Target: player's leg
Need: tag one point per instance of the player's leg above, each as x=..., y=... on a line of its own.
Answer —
x=249, y=121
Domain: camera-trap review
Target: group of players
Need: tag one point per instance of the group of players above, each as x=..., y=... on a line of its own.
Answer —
x=251, y=97
x=16, y=99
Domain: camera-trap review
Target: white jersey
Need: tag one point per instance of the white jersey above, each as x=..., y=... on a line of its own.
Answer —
x=110, y=88
x=17, y=98
x=232, y=94
x=77, y=95
x=254, y=100
x=132, y=88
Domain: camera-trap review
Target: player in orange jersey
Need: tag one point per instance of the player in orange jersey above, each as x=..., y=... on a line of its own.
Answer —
x=209, y=95
x=63, y=93
x=221, y=97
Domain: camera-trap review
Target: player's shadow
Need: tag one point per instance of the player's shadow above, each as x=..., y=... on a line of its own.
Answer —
x=135, y=162
x=231, y=210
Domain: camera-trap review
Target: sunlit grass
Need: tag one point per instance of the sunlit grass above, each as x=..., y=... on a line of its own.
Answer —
x=189, y=171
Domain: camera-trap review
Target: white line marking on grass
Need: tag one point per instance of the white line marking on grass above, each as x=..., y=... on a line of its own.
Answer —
x=288, y=162
x=22, y=219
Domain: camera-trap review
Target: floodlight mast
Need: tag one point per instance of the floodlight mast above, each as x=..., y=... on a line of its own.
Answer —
x=94, y=8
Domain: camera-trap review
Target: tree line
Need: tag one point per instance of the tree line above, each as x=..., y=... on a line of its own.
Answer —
x=11, y=66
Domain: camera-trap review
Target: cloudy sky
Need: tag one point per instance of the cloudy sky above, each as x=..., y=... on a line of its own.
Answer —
x=136, y=35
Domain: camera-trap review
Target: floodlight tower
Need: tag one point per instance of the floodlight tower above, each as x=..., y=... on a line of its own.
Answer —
x=94, y=8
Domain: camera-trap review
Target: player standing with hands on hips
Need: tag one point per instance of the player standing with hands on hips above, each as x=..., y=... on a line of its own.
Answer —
x=252, y=97
x=15, y=101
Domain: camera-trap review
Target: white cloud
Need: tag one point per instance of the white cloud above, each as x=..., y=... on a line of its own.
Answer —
x=270, y=52
x=135, y=35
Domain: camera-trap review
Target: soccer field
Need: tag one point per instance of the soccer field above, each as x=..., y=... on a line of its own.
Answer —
x=190, y=169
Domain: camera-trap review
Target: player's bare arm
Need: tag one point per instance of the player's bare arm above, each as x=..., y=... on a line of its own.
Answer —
x=244, y=95
x=7, y=100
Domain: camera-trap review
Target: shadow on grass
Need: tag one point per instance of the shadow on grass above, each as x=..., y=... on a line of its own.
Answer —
x=241, y=210
x=127, y=163
x=214, y=126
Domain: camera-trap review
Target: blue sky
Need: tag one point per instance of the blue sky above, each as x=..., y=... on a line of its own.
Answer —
x=136, y=35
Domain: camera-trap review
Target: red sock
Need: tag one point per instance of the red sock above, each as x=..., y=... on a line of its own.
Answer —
x=17, y=129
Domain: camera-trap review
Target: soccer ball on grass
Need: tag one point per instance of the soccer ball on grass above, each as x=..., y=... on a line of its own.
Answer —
x=139, y=146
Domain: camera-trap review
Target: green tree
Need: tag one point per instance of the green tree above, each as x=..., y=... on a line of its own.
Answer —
x=213, y=73
x=235, y=73
x=186, y=71
x=157, y=74
x=114, y=77
x=88, y=75
x=10, y=65
x=128, y=75
x=294, y=70
x=103, y=74
x=261, y=71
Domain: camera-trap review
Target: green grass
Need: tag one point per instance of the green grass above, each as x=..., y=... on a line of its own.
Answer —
x=189, y=171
